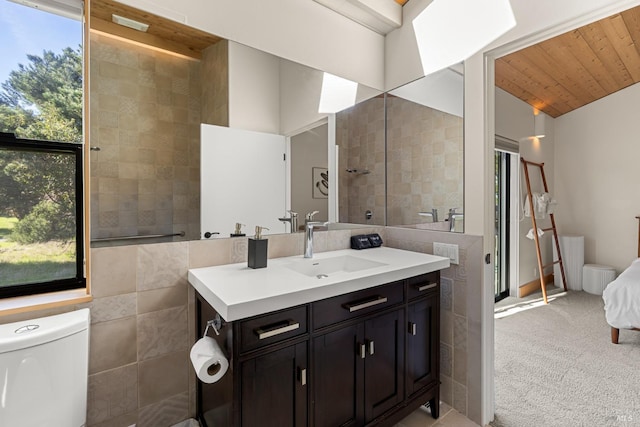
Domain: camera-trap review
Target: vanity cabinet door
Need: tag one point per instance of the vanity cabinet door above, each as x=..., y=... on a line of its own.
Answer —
x=274, y=388
x=359, y=371
x=384, y=363
x=423, y=343
x=338, y=369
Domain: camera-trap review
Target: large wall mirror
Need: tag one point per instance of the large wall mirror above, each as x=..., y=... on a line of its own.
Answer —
x=149, y=96
x=401, y=156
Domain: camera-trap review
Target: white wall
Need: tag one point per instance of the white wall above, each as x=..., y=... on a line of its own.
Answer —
x=442, y=91
x=300, y=95
x=298, y=30
x=308, y=150
x=597, y=176
x=402, y=61
x=514, y=120
x=254, y=96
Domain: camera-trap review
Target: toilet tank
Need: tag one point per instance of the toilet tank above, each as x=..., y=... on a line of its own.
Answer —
x=43, y=371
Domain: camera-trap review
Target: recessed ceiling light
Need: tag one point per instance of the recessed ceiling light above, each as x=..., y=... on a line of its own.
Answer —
x=126, y=22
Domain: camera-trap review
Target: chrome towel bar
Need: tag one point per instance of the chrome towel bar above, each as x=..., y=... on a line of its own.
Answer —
x=142, y=236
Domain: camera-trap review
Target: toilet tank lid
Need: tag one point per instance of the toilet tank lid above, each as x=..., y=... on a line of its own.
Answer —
x=29, y=333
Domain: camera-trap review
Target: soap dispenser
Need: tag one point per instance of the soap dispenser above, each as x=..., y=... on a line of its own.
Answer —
x=257, y=257
x=238, y=231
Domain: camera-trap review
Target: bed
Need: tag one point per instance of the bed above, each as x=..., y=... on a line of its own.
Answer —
x=621, y=299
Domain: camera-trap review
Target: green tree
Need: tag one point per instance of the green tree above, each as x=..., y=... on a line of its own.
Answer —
x=41, y=100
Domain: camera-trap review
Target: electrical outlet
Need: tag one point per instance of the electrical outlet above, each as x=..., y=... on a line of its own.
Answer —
x=535, y=272
x=448, y=251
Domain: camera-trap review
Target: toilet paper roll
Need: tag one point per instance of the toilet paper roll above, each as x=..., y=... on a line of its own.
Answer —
x=208, y=360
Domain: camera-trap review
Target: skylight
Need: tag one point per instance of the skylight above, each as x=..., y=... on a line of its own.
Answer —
x=450, y=31
x=337, y=94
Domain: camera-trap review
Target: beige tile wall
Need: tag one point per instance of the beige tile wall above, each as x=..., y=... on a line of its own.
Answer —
x=460, y=318
x=361, y=138
x=424, y=161
x=145, y=115
x=143, y=322
x=423, y=158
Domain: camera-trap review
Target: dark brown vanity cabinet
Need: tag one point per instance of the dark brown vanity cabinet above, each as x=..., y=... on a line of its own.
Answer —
x=358, y=355
x=364, y=358
x=266, y=384
x=358, y=371
x=423, y=335
x=274, y=388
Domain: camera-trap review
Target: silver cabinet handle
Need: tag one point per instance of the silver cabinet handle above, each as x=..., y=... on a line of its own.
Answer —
x=371, y=350
x=425, y=287
x=303, y=376
x=363, y=351
x=413, y=328
x=355, y=306
x=268, y=333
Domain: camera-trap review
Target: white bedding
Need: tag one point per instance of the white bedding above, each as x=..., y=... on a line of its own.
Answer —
x=622, y=299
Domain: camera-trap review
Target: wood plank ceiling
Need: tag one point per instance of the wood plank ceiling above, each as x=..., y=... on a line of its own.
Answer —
x=162, y=33
x=573, y=69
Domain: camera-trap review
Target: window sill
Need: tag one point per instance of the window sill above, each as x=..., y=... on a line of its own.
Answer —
x=43, y=301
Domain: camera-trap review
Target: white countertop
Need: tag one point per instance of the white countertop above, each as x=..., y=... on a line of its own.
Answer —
x=236, y=291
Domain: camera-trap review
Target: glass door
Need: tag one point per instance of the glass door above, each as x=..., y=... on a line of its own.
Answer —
x=502, y=223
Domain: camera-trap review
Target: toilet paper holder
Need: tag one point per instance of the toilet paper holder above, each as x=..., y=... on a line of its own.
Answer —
x=215, y=323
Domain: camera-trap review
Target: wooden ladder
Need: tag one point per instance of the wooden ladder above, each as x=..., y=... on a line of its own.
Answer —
x=536, y=238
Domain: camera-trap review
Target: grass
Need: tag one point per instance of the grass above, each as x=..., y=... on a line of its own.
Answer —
x=6, y=225
x=33, y=263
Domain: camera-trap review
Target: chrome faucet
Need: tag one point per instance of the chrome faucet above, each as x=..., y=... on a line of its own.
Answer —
x=309, y=226
x=293, y=220
x=433, y=214
x=453, y=215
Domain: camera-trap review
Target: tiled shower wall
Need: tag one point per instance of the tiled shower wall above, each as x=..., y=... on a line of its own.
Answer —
x=425, y=156
x=360, y=138
x=145, y=117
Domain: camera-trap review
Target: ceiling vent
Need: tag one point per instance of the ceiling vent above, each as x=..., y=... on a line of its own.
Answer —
x=381, y=16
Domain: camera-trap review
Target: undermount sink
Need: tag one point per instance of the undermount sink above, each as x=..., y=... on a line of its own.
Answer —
x=322, y=268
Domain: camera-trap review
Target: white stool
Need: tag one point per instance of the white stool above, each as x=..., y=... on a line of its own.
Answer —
x=596, y=277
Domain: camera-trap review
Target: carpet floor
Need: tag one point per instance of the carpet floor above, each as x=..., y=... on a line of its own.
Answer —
x=555, y=364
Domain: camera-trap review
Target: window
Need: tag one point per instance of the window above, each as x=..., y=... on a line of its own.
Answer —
x=41, y=151
x=41, y=245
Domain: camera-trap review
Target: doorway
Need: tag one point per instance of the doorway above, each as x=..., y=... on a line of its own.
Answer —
x=502, y=181
x=507, y=216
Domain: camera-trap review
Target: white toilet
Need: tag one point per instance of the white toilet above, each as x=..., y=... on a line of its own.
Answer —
x=44, y=371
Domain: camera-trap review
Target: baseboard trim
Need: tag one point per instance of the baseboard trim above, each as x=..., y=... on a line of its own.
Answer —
x=534, y=286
